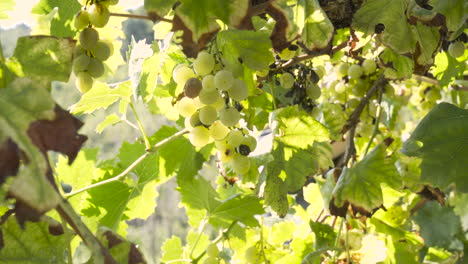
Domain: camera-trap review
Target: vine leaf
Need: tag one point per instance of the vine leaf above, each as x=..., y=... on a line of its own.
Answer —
x=159, y=7
x=318, y=30
x=239, y=208
x=276, y=193
x=440, y=141
x=54, y=55
x=427, y=43
x=172, y=249
x=61, y=23
x=285, y=30
x=402, y=64
x=102, y=96
x=455, y=15
x=447, y=68
x=32, y=243
x=122, y=250
x=361, y=184
x=439, y=224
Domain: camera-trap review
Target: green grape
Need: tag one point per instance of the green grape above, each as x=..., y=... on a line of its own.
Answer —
x=192, y=87
x=249, y=141
x=212, y=250
x=95, y=68
x=239, y=90
x=353, y=103
x=78, y=50
x=251, y=255
x=210, y=260
x=204, y=63
x=355, y=239
x=287, y=54
x=208, y=115
x=81, y=19
x=226, y=154
x=456, y=49
x=218, y=131
x=98, y=15
x=342, y=70
x=262, y=73
x=219, y=104
x=209, y=96
x=182, y=73
x=199, y=136
x=229, y=116
x=208, y=83
x=188, y=124
x=102, y=50
x=320, y=71
x=390, y=73
x=433, y=95
x=369, y=66
x=340, y=87
x=240, y=164
x=313, y=91
x=235, y=137
x=84, y=82
x=360, y=87
x=195, y=119
x=109, y=44
x=287, y=80
x=355, y=71
x=186, y=107
x=81, y=63
x=89, y=38
x=223, y=80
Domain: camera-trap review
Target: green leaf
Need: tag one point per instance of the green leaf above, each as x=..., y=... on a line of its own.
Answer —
x=447, y=68
x=276, y=193
x=361, y=184
x=110, y=120
x=440, y=140
x=439, y=224
x=102, y=96
x=20, y=104
x=455, y=13
x=61, y=24
x=172, y=250
x=239, y=208
x=33, y=244
x=6, y=5
x=324, y=234
x=281, y=232
x=286, y=29
x=402, y=64
x=318, y=29
x=156, y=73
x=160, y=7
x=392, y=14
x=54, y=55
x=428, y=41
x=298, y=129
x=198, y=193
x=253, y=48
x=334, y=119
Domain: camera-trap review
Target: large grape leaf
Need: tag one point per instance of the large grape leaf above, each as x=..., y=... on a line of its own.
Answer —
x=160, y=7
x=239, y=208
x=447, y=68
x=428, y=42
x=172, y=250
x=440, y=140
x=276, y=192
x=297, y=129
x=61, y=24
x=317, y=29
x=6, y=5
x=361, y=184
x=286, y=30
x=252, y=48
x=197, y=193
x=402, y=64
x=392, y=14
x=102, y=96
x=455, y=12
x=32, y=244
x=439, y=224
x=54, y=55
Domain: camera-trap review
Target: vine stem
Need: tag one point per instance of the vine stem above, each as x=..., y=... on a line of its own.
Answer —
x=142, y=128
x=130, y=167
x=153, y=19
x=200, y=232
x=376, y=126
x=216, y=240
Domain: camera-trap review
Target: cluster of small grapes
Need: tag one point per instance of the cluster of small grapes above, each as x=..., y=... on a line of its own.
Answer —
x=209, y=108
x=212, y=252
x=91, y=51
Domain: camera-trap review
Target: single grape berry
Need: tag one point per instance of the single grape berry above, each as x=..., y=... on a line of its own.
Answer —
x=355, y=71
x=313, y=91
x=102, y=50
x=204, y=63
x=212, y=250
x=235, y=137
x=84, y=82
x=182, y=73
x=208, y=115
x=369, y=66
x=192, y=87
x=456, y=49
x=81, y=63
x=209, y=96
x=186, y=107
x=229, y=116
x=239, y=90
x=81, y=19
x=199, y=136
x=98, y=15
x=95, y=68
x=240, y=164
x=223, y=80
x=218, y=131
x=287, y=80
x=89, y=38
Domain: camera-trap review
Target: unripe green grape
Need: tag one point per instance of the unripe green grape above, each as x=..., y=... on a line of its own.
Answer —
x=89, y=38
x=199, y=136
x=223, y=80
x=249, y=141
x=353, y=103
x=456, y=49
x=95, y=68
x=391, y=74
x=219, y=104
x=98, y=15
x=210, y=260
x=251, y=255
x=109, y=44
x=102, y=50
x=208, y=83
x=287, y=80
x=262, y=73
x=221, y=144
x=204, y=63
x=78, y=50
x=313, y=91
x=192, y=87
x=355, y=239
x=239, y=90
x=182, y=73
x=195, y=119
x=240, y=164
x=188, y=124
x=342, y=70
x=218, y=131
x=355, y=71
x=229, y=116
x=433, y=95
x=226, y=154
x=340, y=87
x=287, y=54
x=81, y=63
x=186, y=107
x=235, y=138
x=369, y=66
x=212, y=250
x=84, y=82
x=81, y=19
x=209, y=96
x=360, y=88
x=208, y=115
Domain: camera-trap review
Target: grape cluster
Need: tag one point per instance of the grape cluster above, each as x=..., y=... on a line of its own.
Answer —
x=91, y=51
x=210, y=108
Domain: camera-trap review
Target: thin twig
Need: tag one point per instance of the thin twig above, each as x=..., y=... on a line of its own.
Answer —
x=129, y=168
x=312, y=54
x=142, y=17
x=376, y=125
x=433, y=81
